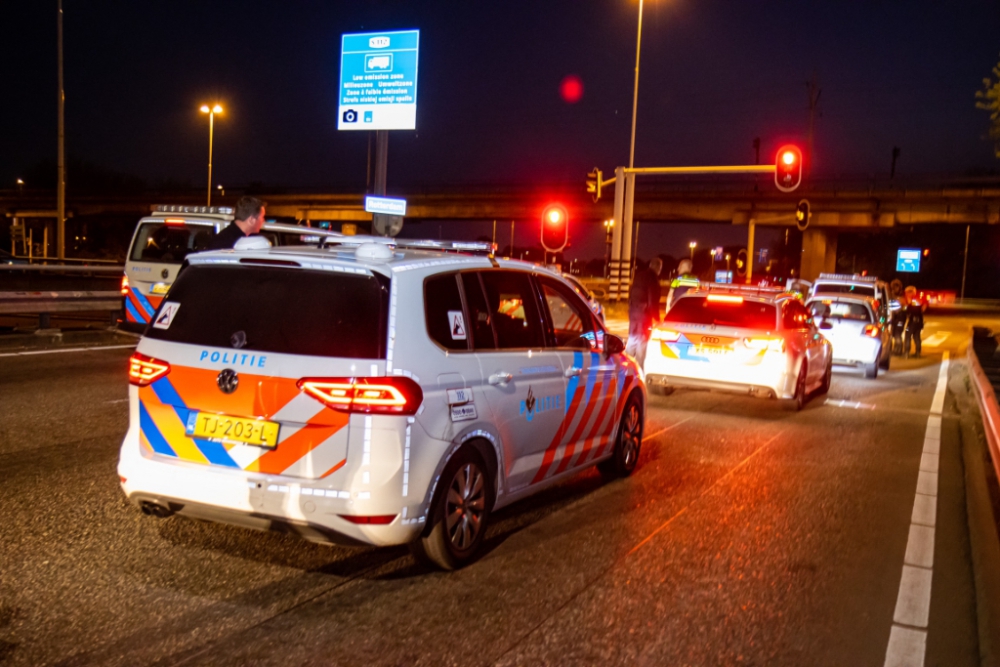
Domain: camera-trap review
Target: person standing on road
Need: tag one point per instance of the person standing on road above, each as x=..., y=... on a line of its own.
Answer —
x=897, y=324
x=248, y=220
x=643, y=309
x=914, y=321
x=684, y=281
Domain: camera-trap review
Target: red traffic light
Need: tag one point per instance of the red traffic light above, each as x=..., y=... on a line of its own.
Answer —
x=555, y=227
x=788, y=168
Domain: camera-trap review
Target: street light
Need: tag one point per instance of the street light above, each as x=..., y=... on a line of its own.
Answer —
x=635, y=90
x=20, y=185
x=727, y=262
x=692, y=246
x=222, y=190
x=211, y=111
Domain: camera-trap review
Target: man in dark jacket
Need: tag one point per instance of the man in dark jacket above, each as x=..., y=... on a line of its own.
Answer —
x=914, y=321
x=643, y=309
x=248, y=219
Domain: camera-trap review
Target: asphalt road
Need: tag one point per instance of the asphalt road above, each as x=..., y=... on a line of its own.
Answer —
x=749, y=534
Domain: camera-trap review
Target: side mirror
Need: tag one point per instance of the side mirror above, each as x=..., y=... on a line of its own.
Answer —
x=613, y=345
x=825, y=325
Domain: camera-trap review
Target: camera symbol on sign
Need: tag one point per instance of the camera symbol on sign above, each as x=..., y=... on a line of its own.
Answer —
x=350, y=116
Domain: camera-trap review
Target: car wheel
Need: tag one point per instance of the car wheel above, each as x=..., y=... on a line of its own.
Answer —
x=627, y=445
x=798, y=401
x=824, y=388
x=459, y=513
x=871, y=370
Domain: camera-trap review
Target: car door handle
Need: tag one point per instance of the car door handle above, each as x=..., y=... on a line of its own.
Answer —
x=573, y=372
x=500, y=378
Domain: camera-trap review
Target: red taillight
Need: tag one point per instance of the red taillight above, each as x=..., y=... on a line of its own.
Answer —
x=124, y=285
x=871, y=330
x=384, y=395
x=724, y=298
x=143, y=370
x=381, y=520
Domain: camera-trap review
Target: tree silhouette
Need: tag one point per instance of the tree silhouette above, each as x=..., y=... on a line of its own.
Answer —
x=988, y=99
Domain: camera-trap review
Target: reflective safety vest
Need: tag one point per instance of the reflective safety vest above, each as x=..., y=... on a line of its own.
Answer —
x=680, y=286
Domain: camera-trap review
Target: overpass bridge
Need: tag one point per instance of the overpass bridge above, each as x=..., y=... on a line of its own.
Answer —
x=838, y=205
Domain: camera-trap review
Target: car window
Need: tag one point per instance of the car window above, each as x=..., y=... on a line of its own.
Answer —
x=726, y=311
x=512, y=309
x=570, y=318
x=443, y=312
x=480, y=320
x=842, y=310
x=170, y=243
x=835, y=288
x=266, y=309
x=794, y=315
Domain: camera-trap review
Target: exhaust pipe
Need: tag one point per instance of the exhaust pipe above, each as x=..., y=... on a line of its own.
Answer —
x=152, y=508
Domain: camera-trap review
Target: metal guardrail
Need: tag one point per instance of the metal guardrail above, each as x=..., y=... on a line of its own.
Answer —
x=984, y=389
x=45, y=303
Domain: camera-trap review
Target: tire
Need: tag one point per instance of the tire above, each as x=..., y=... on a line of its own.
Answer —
x=871, y=370
x=884, y=364
x=824, y=388
x=459, y=514
x=798, y=401
x=628, y=443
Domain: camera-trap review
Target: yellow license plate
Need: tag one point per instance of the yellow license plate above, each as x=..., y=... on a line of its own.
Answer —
x=232, y=429
x=160, y=288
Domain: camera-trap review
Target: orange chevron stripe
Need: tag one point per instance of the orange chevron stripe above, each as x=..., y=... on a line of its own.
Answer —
x=618, y=410
x=596, y=431
x=333, y=469
x=595, y=398
x=294, y=447
x=550, y=451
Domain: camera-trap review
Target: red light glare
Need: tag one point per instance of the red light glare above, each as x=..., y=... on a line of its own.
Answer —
x=571, y=89
x=788, y=157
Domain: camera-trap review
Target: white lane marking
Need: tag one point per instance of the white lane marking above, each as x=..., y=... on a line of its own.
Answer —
x=117, y=400
x=924, y=510
x=936, y=340
x=64, y=350
x=849, y=404
x=913, y=605
x=908, y=645
x=920, y=546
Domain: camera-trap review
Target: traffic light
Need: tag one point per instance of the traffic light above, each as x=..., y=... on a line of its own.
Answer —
x=594, y=184
x=555, y=227
x=802, y=215
x=788, y=168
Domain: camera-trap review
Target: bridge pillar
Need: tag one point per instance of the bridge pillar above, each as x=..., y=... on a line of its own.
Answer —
x=819, y=252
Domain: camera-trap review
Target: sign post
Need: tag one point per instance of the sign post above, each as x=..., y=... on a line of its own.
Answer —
x=378, y=91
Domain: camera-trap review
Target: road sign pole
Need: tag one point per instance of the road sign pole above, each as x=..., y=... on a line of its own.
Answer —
x=381, y=169
x=614, y=272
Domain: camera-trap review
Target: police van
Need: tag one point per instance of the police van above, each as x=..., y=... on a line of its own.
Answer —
x=164, y=239
x=372, y=392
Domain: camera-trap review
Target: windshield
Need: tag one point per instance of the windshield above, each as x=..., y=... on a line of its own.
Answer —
x=170, y=243
x=834, y=288
x=734, y=313
x=293, y=311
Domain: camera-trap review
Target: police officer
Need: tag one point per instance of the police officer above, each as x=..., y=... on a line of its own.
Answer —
x=897, y=324
x=914, y=321
x=643, y=309
x=684, y=281
x=248, y=220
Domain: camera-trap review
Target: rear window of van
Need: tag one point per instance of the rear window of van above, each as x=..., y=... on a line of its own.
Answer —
x=169, y=243
x=278, y=309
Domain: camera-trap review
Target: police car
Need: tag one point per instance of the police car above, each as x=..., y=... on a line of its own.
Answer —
x=861, y=285
x=851, y=323
x=749, y=340
x=163, y=240
x=372, y=394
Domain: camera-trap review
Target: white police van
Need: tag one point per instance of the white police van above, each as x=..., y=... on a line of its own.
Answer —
x=378, y=393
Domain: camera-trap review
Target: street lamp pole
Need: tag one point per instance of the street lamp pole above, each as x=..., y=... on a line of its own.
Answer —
x=635, y=90
x=211, y=135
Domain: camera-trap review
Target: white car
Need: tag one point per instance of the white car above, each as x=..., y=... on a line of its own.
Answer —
x=850, y=323
x=371, y=393
x=858, y=285
x=747, y=340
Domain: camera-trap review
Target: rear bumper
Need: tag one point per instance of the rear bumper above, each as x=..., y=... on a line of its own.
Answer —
x=773, y=377
x=856, y=353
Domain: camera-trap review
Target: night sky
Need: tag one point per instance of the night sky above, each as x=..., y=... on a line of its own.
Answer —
x=714, y=75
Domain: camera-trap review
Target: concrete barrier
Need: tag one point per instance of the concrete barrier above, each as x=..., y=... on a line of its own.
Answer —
x=985, y=389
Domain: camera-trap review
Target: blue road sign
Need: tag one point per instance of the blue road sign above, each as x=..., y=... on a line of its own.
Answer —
x=385, y=205
x=378, y=81
x=908, y=260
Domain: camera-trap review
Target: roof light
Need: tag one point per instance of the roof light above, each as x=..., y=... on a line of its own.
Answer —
x=175, y=221
x=385, y=395
x=724, y=298
x=145, y=370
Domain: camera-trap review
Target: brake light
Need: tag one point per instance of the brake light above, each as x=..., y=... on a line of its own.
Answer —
x=175, y=221
x=666, y=335
x=383, y=395
x=724, y=298
x=379, y=519
x=765, y=344
x=143, y=370
x=872, y=331
x=124, y=285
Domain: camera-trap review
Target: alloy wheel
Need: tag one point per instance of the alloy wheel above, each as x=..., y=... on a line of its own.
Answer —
x=465, y=506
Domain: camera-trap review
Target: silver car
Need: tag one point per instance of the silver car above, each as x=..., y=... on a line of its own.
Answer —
x=860, y=338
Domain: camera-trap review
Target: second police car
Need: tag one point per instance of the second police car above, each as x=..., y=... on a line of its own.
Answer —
x=371, y=394
x=752, y=340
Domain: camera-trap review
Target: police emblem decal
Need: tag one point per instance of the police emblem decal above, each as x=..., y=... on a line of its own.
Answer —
x=228, y=381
